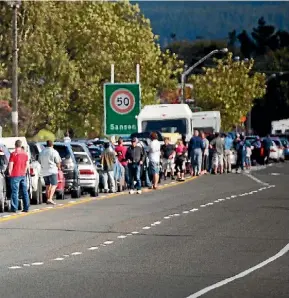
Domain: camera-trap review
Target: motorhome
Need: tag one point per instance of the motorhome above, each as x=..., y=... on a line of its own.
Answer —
x=207, y=121
x=172, y=120
x=280, y=127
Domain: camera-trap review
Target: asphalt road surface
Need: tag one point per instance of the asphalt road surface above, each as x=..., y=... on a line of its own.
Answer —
x=214, y=236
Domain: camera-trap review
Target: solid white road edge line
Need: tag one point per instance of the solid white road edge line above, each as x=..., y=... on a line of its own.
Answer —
x=219, y=284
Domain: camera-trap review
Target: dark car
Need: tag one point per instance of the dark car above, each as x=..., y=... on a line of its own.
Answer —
x=146, y=135
x=69, y=168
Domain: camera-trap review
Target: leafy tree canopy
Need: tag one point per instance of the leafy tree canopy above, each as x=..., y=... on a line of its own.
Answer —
x=65, y=52
x=229, y=88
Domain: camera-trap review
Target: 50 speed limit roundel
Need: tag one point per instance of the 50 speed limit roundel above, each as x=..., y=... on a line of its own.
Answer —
x=122, y=101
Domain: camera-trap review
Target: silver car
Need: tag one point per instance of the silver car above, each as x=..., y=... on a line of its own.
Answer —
x=88, y=175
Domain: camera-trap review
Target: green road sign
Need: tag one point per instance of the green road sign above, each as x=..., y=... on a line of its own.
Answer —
x=121, y=106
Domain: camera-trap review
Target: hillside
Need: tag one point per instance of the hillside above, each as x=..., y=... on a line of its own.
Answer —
x=213, y=20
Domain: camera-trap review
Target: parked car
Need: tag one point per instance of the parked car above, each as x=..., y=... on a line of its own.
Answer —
x=69, y=168
x=35, y=173
x=280, y=147
x=89, y=177
x=4, y=159
x=95, y=152
x=285, y=144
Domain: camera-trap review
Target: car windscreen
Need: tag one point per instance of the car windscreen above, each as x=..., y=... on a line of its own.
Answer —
x=62, y=150
x=206, y=130
x=277, y=142
x=77, y=148
x=166, y=126
x=82, y=159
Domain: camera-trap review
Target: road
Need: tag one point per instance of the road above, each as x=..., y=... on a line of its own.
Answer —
x=184, y=240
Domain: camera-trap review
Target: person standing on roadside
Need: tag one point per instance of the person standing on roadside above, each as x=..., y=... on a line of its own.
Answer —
x=218, y=156
x=267, y=146
x=135, y=157
x=227, y=154
x=121, y=153
x=50, y=162
x=168, y=154
x=18, y=166
x=196, y=147
x=181, y=151
x=241, y=153
x=205, y=158
x=154, y=159
x=66, y=138
x=108, y=162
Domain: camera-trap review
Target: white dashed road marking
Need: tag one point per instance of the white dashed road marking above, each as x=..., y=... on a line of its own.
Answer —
x=146, y=228
x=108, y=242
x=15, y=267
x=37, y=264
x=76, y=253
x=93, y=248
x=135, y=232
x=58, y=259
x=121, y=237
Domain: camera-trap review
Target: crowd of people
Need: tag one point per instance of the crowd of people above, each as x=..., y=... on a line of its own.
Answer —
x=201, y=155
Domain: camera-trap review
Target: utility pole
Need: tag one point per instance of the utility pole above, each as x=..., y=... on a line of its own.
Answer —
x=14, y=90
x=188, y=71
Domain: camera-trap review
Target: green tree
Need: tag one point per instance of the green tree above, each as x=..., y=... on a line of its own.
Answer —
x=229, y=88
x=66, y=49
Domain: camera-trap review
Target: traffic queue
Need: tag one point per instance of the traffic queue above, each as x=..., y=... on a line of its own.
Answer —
x=88, y=167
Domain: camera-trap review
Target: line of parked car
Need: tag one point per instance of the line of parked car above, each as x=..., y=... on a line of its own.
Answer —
x=81, y=171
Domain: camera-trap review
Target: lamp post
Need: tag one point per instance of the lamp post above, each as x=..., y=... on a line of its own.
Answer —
x=14, y=90
x=189, y=70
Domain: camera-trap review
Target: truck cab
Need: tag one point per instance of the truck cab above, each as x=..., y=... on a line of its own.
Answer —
x=169, y=119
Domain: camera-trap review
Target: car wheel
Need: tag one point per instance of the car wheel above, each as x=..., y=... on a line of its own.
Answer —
x=20, y=204
x=2, y=202
x=60, y=195
x=76, y=193
x=94, y=192
x=8, y=206
x=36, y=194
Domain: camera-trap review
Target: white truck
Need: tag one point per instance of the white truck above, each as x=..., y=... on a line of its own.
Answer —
x=173, y=120
x=207, y=121
x=280, y=127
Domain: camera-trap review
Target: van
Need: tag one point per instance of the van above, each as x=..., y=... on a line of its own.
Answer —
x=173, y=120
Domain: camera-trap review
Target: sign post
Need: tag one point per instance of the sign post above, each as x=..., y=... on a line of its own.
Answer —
x=121, y=106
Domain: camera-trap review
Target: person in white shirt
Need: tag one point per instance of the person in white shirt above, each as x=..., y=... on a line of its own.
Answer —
x=66, y=138
x=50, y=164
x=154, y=159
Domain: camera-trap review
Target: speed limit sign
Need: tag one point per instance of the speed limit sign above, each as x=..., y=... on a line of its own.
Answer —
x=122, y=101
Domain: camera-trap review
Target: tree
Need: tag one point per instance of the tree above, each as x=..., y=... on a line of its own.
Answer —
x=65, y=54
x=229, y=88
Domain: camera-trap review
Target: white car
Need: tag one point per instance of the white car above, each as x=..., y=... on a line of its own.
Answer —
x=89, y=177
x=276, y=153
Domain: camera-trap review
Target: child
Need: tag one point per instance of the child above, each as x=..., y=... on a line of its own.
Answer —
x=248, y=156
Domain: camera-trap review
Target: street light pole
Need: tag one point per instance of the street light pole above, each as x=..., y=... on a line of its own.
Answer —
x=189, y=70
x=14, y=90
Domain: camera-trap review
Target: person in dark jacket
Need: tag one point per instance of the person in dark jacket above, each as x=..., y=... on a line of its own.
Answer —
x=241, y=152
x=135, y=157
x=196, y=147
x=267, y=146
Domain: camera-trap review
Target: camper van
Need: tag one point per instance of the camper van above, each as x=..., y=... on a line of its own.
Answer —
x=172, y=120
x=207, y=121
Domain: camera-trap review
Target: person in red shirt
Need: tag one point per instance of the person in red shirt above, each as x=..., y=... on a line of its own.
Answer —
x=18, y=166
x=121, y=152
